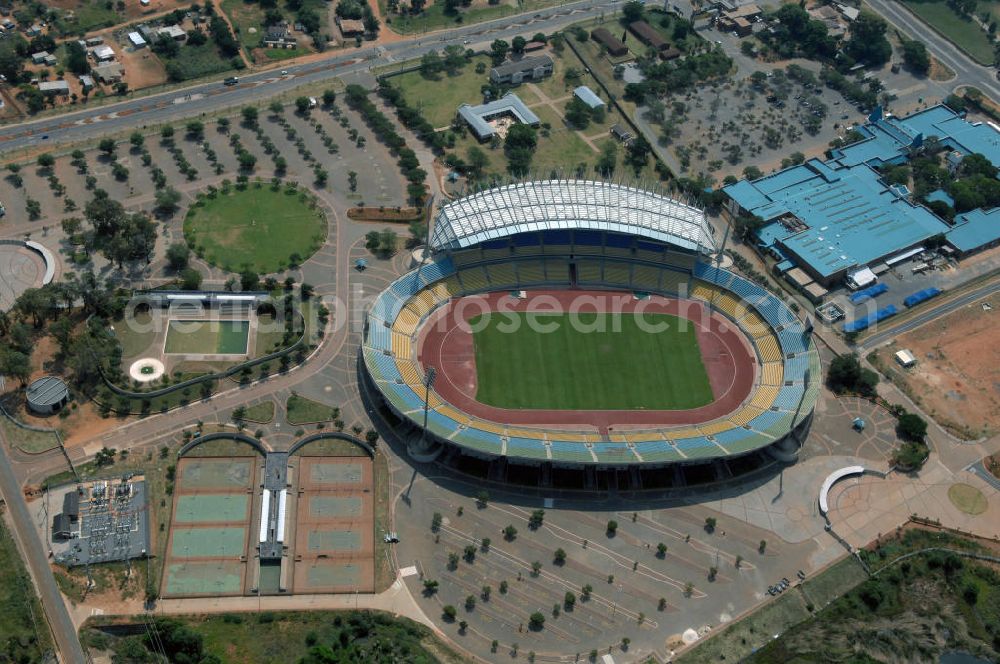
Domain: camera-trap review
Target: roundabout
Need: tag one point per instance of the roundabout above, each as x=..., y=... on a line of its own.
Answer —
x=260, y=228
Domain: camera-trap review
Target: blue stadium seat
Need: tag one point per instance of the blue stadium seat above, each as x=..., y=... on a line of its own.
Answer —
x=795, y=368
x=688, y=444
x=764, y=420
x=788, y=397
x=379, y=336
x=732, y=435
x=793, y=339
x=437, y=270
x=611, y=452
x=528, y=447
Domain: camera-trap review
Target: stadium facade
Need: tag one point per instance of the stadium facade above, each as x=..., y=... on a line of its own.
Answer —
x=594, y=236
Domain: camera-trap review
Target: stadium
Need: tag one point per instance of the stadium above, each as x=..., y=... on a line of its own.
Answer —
x=577, y=334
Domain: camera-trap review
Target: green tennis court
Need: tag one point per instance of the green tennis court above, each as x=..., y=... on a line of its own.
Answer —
x=333, y=507
x=334, y=540
x=209, y=508
x=589, y=362
x=324, y=576
x=207, y=337
x=219, y=577
x=335, y=473
x=226, y=473
x=208, y=542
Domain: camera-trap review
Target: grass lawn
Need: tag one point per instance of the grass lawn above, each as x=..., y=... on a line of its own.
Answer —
x=300, y=410
x=274, y=54
x=223, y=337
x=135, y=335
x=967, y=498
x=27, y=440
x=244, y=16
x=197, y=61
x=610, y=362
x=964, y=33
x=22, y=623
x=259, y=228
x=89, y=16
x=261, y=413
x=438, y=100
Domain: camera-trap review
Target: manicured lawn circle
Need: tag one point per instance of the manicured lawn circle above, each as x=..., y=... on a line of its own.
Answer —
x=258, y=228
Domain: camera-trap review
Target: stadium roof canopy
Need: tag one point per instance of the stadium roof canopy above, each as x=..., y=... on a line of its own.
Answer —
x=569, y=204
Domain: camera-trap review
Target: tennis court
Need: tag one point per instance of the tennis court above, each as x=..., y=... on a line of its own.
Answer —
x=213, y=542
x=211, y=508
x=207, y=337
x=334, y=540
x=335, y=507
x=334, y=526
x=336, y=473
x=333, y=576
x=198, y=473
x=217, y=577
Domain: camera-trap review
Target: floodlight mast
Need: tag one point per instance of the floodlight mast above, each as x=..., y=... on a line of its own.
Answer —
x=428, y=382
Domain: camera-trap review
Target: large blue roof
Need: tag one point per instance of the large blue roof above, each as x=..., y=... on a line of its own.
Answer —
x=974, y=229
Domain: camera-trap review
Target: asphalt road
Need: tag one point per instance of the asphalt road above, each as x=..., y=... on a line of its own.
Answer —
x=927, y=316
x=35, y=556
x=209, y=97
x=967, y=71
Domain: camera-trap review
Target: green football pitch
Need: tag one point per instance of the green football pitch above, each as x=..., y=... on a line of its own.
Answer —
x=205, y=337
x=607, y=362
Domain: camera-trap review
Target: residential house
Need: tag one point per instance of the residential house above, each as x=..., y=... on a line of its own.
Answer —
x=103, y=54
x=588, y=97
x=515, y=72
x=54, y=88
x=109, y=73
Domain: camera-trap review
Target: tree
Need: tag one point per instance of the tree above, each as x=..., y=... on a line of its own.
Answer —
x=190, y=279
x=912, y=427
x=517, y=45
x=431, y=65
x=712, y=573
x=12, y=62
x=498, y=51
x=916, y=57
x=847, y=375
x=137, y=140
x=632, y=11
x=249, y=114
x=710, y=524
x=609, y=157
x=519, y=146
x=510, y=533
x=430, y=586
x=249, y=280
x=15, y=364
x=105, y=457
x=302, y=105
x=195, y=130
x=470, y=553
x=577, y=113
x=166, y=132
x=661, y=550
x=586, y=590
x=167, y=200
x=449, y=612
x=178, y=255
x=329, y=97
x=762, y=547
x=868, y=43
x=536, y=568
x=470, y=602
x=637, y=154
x=239, y=415
x=476, y=160
x=536, y=620
x=46, y=161
x=536, y=519
x=612, y=528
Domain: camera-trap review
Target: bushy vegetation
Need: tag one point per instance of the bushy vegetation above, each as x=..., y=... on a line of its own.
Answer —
x=302, y=638
x=846, y=375
x=912, y=610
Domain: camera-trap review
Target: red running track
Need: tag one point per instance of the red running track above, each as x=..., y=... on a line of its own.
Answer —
x=445, y=342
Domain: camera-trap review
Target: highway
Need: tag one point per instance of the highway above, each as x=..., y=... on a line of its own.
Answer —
x=35, y=557
x=209, y=97
x=967, y=71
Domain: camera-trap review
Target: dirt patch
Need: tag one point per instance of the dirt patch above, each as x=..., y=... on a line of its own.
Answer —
x=143, y=69
x=957, y=375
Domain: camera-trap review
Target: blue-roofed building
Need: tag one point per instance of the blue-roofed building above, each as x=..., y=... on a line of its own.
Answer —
x=588, y=97
x=975, y=230
x=831, y=218
x=478, y=117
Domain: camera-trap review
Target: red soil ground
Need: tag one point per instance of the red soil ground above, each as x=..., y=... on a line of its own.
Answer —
x=446, y=343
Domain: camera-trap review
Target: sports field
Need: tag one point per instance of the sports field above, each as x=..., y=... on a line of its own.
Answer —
x=203, y=337
x=605, y=362
x=262, y=229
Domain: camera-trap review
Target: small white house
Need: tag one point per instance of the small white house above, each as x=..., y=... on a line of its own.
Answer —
x=104, y=53
x=905, y=358
x=136, y=40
